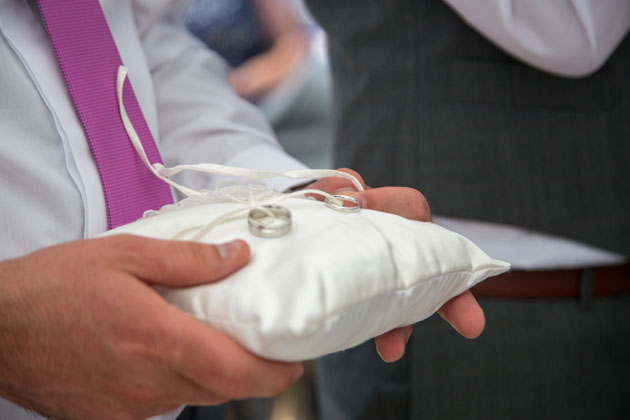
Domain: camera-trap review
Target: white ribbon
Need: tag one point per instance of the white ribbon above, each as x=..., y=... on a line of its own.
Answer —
x=253, y=196
x=163, y=173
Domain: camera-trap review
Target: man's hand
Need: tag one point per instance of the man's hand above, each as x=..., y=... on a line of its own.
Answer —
x=83, y=335
x=462, y=312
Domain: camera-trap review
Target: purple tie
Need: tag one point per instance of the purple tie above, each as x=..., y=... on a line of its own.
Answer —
x=89, y=61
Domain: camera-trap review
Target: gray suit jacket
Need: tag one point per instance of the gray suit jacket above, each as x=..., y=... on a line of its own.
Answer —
x=424, y=101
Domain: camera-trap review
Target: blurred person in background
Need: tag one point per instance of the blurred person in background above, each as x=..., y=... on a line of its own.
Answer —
x=278, y=60
x=513, y=117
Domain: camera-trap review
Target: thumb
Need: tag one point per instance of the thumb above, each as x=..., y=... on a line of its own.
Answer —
x=178, y=263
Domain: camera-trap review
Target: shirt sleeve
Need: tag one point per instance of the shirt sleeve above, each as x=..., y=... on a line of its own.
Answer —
x=571, y=38
x=200, y=118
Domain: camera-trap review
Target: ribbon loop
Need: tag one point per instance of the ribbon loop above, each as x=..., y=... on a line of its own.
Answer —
x=252, y=196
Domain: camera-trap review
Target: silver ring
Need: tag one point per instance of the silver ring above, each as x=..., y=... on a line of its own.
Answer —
x=272, y=222
x=336, y=203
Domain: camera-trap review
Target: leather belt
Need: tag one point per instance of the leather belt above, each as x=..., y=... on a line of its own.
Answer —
x=582, y=284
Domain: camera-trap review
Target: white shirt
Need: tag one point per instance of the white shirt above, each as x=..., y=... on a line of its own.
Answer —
x=570, y=38
x=50, y=184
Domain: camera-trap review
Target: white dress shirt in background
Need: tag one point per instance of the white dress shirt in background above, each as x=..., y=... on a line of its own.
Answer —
x=569, y=38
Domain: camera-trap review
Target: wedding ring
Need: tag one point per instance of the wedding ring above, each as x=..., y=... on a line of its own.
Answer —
x=336, y=202
x=269, y=221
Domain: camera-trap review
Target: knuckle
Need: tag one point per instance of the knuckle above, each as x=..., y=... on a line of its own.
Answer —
x=236, y=385
x=122, y=241
x=191, y=253
x=282, y=383
x=183, y=256
x=125, y=245
x=353, y=173
x=131, y=393
x=139, y=397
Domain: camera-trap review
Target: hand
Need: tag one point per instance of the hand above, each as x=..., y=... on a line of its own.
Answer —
x=262, y=73
x=462, y=312
x=83, y=335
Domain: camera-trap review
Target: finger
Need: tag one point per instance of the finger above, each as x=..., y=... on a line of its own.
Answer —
x=179, y=390
x=391, y=345
x=403, y=201
x=464, y=314
x=220, y=365
x=332, y=185
x=175, y=391
x=177, y=263
x=164, y=391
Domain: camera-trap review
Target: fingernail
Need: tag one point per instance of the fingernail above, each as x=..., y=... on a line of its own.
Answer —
x=378, y=351
x=362, y=200
x=229, y=250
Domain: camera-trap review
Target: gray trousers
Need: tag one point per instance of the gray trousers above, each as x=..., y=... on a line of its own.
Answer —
x=535, y=360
